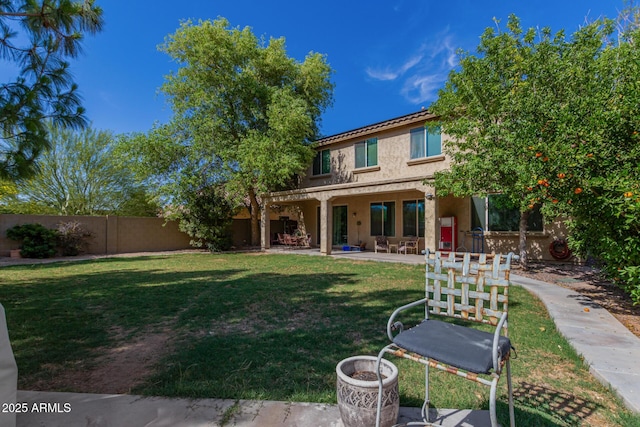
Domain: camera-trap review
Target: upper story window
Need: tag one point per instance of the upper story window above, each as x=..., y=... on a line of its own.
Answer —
x=322, y=162
x=367, y=153
x=425, y=143
x=497, y=213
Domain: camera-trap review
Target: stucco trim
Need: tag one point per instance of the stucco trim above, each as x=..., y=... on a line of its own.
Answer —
x=365, y=170
x=424, y=160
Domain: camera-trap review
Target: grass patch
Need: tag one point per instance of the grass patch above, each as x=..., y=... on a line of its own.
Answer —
x=256, y=326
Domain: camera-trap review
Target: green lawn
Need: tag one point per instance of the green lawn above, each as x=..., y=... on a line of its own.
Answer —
x=256, y=326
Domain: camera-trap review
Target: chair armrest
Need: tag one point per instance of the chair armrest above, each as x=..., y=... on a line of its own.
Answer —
x=391, y=324
x=496, y=337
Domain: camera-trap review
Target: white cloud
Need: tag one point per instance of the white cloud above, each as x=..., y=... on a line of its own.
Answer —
x=392, y=74
x=421, y=88
x=424, y=72
x=383, y=75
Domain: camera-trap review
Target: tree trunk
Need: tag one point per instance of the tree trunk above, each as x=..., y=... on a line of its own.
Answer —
x=255, y=218
x=524, y=218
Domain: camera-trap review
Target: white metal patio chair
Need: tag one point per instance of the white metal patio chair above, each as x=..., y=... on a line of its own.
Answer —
x=471, y=288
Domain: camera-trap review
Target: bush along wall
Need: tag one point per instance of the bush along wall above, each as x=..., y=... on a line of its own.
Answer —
x=36, y=240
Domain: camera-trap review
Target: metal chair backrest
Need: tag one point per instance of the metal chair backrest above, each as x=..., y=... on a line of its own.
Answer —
x=468, y=286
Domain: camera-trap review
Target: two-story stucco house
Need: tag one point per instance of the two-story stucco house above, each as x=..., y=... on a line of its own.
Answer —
x=370, y=182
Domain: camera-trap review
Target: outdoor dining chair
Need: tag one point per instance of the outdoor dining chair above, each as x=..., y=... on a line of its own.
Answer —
x=382, y=243
x=411, y=246
x=472, y=289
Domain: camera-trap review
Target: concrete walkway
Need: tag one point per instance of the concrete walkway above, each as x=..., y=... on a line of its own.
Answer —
x=610, y=350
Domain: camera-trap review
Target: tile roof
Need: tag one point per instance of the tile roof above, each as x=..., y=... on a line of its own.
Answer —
x=422, y=115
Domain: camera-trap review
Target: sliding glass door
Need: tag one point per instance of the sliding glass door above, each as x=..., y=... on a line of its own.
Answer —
x=340, y=232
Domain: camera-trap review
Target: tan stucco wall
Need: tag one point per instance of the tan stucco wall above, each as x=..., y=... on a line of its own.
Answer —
x=110, y=234
x=393, y=160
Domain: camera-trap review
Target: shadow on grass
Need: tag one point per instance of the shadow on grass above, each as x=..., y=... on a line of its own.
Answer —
x=282, y=343
x=61, y=320
x=284, y=320
x=537, y=405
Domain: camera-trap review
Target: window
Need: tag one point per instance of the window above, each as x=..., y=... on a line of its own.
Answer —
x=322, y=162
x=424, y=143
x=497, y=213
x=367, y=153
x=383, y=219
x=413, y=218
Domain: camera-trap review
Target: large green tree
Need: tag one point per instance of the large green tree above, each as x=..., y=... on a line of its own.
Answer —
x=36, y=39
x=524, y=114
x=606, y=210
x=82, y=174
x=244, y=112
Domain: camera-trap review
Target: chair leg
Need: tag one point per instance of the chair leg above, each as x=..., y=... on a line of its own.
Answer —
x=379, y=376
x=492, y=403
x=512, y=417
x=427, y=401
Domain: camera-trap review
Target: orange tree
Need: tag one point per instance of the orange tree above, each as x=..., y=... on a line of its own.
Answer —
x=552, y=121
x=510, y=114
x=604, y=192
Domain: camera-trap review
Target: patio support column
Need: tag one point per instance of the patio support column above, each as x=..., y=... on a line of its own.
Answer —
x=431, y=208
x=326, y=213
x=265, y=227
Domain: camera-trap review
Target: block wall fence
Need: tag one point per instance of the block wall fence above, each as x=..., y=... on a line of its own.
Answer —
x=111, y=234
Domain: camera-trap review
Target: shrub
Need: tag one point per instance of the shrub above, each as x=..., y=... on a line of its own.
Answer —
x=607, y=228
x=37, y=240
x=206, y=216
x=73, y=238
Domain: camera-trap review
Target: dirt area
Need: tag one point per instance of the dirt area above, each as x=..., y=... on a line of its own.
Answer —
x=116, y=370
x=589, y=282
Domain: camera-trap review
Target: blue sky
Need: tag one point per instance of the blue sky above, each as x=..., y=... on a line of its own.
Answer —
x=389, y=57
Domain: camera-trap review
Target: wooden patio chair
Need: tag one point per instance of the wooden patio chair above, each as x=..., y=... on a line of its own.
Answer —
x=382, y=243
x=410, y=246
x=283, y=240
x=290, y=240
x=471, y=288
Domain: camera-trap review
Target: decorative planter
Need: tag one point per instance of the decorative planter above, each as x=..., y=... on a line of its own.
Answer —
x=358, y=398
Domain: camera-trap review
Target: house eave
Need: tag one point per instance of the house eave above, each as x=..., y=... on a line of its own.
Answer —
x=420, y=116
